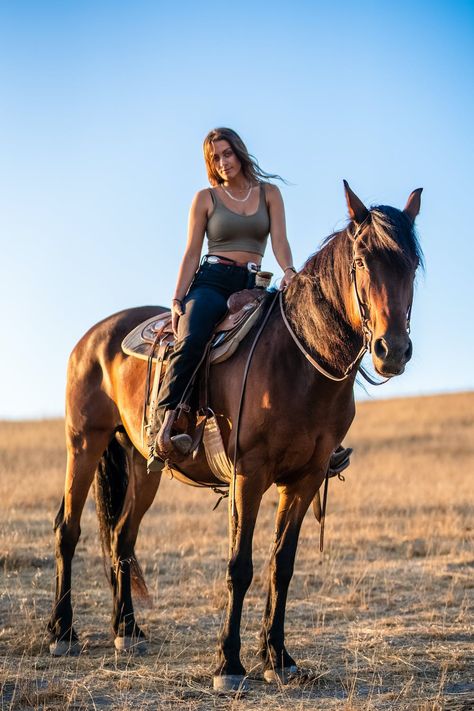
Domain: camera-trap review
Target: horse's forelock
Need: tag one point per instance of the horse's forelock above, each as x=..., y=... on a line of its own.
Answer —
x=393, y=232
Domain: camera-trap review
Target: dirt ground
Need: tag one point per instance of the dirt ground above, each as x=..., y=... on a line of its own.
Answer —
x=382, y=620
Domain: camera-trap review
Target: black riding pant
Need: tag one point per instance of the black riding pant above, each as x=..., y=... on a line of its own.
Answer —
x=204, y=306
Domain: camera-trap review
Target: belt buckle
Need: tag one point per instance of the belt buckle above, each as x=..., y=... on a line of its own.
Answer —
x=212, y=259
x=252, y=267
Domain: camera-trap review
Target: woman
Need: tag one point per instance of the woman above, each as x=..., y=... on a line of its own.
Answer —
x=237, y=214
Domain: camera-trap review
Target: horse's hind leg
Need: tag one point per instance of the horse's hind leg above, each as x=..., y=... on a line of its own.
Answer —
x=83, y=453
x=294, y=501
x=125, y=571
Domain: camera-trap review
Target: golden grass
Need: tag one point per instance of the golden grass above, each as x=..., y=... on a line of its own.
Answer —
x=382, y=620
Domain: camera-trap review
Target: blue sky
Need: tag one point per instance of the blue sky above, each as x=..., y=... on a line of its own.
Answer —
x=104, y=108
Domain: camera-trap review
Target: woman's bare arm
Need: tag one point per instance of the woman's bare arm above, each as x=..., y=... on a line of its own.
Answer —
x=196, y=229
x=197, y=222
x=280, y=244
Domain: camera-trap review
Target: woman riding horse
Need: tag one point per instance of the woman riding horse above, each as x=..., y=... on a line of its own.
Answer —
x=237, y=213
x=353, y=295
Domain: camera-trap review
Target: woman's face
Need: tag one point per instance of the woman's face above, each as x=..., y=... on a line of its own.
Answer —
x=225, y=161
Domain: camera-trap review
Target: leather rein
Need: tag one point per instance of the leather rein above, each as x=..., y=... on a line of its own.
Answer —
x=366, y=331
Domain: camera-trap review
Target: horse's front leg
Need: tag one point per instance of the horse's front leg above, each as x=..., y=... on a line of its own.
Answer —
x=229, y=675
x=294, y=501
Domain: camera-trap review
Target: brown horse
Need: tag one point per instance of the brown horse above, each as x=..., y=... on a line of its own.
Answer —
x=356, y=289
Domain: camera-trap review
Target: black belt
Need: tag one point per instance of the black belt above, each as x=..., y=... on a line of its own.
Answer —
x=214, y=259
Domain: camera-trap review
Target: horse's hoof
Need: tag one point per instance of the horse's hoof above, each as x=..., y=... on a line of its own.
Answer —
x=131, y=645
x=64, y=648
x=230, y=682
x=281, y=675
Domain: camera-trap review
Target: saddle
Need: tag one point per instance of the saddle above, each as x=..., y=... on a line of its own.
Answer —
x=244, y=310
x=153, y=340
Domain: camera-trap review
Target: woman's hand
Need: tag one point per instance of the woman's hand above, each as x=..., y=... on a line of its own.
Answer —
x=288, y=275
x=176, y=312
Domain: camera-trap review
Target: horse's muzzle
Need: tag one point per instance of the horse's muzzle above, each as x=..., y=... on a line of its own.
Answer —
x=390, y=355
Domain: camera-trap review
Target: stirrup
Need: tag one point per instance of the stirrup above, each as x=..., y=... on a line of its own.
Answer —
x=167, y=444
x=182, y=443
x=340, y=460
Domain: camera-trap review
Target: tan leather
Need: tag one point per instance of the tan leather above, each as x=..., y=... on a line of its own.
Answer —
x=219, y=463
x=242, y=305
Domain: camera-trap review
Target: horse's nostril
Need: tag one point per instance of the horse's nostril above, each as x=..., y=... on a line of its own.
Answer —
x=380, y=348
x=409, y=351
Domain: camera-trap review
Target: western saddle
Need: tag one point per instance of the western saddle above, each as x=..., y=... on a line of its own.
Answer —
x=153, y=340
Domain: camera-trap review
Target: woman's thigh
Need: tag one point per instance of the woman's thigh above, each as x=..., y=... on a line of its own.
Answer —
x=204, y=307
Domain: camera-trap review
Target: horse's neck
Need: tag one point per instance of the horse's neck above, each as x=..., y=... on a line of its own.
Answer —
x=288, y=371
x=322, y=321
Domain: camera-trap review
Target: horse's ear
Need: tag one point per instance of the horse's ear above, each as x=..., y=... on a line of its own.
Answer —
x=357, y=210
x=412, y=208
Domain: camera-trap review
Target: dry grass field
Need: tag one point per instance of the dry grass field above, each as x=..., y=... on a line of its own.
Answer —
x=382, y=620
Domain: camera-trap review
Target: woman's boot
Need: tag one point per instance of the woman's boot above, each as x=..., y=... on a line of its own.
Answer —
x=165, y=445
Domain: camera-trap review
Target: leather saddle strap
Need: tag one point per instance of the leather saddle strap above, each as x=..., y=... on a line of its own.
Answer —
x=204, y=383
x=146, y=399
x=160, y=359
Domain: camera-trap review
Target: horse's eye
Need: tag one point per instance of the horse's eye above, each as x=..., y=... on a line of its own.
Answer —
x=359, y=263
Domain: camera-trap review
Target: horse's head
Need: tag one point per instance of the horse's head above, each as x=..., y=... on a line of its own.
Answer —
x=385, y=256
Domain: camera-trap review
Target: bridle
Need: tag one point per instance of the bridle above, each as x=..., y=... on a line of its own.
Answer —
x=365, y=322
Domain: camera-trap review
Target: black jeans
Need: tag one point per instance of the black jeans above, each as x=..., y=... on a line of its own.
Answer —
x=204, y=306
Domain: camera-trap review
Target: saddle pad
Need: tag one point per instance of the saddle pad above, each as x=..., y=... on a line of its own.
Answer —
x=139, y=341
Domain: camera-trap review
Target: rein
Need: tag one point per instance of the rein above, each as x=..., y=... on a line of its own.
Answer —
x=309, y=357
x=366, y=331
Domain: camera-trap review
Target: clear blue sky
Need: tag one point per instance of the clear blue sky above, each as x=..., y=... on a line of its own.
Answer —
x=104, y=107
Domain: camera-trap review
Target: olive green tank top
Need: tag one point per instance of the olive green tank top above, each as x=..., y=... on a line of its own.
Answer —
x=227, y=231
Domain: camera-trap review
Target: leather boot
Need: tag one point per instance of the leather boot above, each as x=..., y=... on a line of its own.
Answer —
x=340, y=460
x=167, y=444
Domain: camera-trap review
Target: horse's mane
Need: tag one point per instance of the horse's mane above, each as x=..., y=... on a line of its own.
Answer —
x=318, y=300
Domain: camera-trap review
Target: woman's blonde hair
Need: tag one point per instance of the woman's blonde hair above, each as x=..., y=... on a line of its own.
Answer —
x=250, y=166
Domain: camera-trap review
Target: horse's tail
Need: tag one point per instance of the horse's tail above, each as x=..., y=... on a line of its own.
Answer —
x=112, y=479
